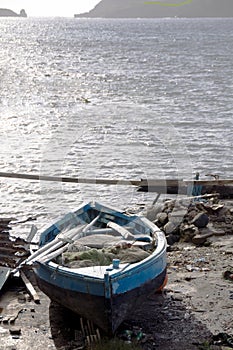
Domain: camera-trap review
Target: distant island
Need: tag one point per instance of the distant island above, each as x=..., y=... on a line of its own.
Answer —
x=10, y=13
x=160, y=9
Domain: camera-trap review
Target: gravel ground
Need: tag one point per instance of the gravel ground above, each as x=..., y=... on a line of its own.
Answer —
x=197, y=302
x=194, y=309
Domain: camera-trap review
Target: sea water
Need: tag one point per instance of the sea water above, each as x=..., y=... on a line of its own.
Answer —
x=112, y=99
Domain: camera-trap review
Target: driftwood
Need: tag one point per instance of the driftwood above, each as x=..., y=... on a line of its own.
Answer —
x=89, y=333
x=30, y=287
x=181, y=199
x=12, y=251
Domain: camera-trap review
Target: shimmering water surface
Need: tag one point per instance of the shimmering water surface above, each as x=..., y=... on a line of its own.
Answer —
x=115, y=99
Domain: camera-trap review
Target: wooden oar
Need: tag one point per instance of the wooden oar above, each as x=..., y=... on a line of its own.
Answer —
x=60, y=249
x=59, y=240
x=30, y=287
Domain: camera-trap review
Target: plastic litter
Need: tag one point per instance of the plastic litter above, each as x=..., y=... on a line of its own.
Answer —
x=223, y=339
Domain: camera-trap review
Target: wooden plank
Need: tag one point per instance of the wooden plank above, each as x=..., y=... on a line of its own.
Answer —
x=98, y=334
x=31, y=234
x=30, y=287
x=82, y=327
x=7, y=256
x=11, y=250
x=125, y=233
x=182, y=199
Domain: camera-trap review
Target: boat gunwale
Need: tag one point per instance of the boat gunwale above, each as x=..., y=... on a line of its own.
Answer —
x=159, y=251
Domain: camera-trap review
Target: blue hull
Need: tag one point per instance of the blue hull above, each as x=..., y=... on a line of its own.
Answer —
x=106, y=313
x=106, y=297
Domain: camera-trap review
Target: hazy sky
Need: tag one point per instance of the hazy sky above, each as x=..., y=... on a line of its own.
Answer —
x=65, y=8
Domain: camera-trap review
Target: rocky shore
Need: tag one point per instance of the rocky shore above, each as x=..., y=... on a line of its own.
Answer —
x=194, y=311
x=192, y=220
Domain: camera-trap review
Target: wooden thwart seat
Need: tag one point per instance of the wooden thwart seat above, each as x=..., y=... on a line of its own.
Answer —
x=124, y=233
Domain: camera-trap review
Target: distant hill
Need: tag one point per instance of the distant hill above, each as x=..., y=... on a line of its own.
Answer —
x=153, y=9
x=10, y=13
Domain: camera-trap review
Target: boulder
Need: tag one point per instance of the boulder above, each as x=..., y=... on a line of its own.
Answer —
x=162, y=218
x=191, y=214
x=172, y=238
x=200, y=239
x=187, y=232
x=151, y=212
x=170, y=227
x=192, y=222
x=200, y=220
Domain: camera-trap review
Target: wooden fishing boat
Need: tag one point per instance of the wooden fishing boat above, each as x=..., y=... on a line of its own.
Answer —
x=103, y=292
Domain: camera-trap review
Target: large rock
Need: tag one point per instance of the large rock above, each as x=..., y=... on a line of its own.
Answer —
x=151, y=212
x=200, y=220
x=172, y=238
x=187, y=232
x=171, y=227
x=201, y=238
x=162, y=218
x=195, y=222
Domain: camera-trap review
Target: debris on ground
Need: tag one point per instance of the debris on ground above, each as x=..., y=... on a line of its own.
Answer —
x=13, y=250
